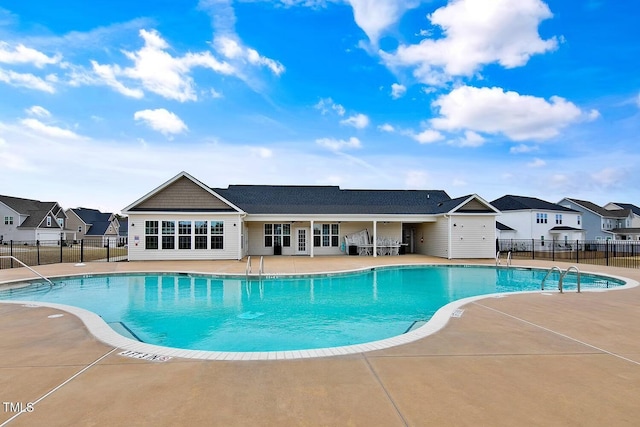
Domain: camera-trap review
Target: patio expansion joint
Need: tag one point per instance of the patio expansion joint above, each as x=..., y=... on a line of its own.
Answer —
x=384, y=389
x=598, y=349
x=59, y=386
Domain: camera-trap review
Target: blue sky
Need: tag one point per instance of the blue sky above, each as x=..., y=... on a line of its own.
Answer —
x=102, y=102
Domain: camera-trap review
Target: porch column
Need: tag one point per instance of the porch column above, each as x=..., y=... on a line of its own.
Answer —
x=310, y=240
x=375, y=238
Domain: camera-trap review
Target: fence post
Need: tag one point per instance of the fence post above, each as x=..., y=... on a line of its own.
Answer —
x=11, y=251
x=553, y=249
x=38, y=251
x=606, y=252
x=533, y=249
x=60, y=248
x=107, y=249
x=81, y=250
x=577, y=251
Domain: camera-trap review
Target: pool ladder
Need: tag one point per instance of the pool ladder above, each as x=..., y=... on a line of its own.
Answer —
x=27, y=267
x=562, y=274
x=260, y=268
x=508, y=258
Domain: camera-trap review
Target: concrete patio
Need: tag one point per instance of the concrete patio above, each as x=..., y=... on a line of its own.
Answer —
x=536, y=359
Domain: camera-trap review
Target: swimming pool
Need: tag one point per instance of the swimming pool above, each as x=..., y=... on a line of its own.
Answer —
x=284, y=313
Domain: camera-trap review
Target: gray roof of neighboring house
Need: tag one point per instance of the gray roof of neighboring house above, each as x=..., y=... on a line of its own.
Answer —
x=615, y=213
x=518, y=203
x=284, y=199
x=35, y=209
x=629, y=206
x=99, y=222
x=502, y=227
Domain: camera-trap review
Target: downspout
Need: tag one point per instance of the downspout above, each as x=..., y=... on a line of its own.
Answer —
x=240, y=227
x=449, y=238
x=310, y=239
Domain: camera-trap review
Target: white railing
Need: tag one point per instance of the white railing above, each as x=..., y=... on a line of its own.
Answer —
x=27, y=267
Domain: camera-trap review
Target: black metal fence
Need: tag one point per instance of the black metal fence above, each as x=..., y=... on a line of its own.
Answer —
x=615, y=253
x=40, y=252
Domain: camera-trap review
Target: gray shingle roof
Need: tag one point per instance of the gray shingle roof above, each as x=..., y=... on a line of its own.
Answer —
x=616, y=213
x=35, y=209
x=518, y=203
x=98, y=221
x=633, y=208
x=283, y=199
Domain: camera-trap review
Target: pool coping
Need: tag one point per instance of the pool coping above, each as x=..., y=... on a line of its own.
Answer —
x=104, y=333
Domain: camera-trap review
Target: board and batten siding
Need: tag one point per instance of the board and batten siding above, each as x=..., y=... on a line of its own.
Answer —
x=138, y=252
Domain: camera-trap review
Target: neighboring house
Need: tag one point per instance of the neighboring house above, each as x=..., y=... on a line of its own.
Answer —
x=185, y=219
x=598, y=222
x=93, y=226
x=29, y=220
x=504, y=231
x=537, y=219
x=631, y=230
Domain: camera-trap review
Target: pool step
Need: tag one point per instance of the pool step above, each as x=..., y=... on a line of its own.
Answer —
x=123, y=330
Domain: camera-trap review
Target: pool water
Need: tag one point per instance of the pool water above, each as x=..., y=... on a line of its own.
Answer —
x=217, y=313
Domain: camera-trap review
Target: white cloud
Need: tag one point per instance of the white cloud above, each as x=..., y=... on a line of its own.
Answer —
x=161, y=120
x=21, y=54
x=107, y=75
x=327, y=104
x=537, y=163
x=232, y=49
x=476, y=33
x=386, y=128
x=38, y=111
x=261, y=152
x=494, y=111
x=25, y=80
x=155, y=69
x=49, y=131
x=471, y=139
x=358, y=121
x=428, y=136
x=397, y=90
x=215, y=94
x=523, y=148
x=375, y=16
x=339, y=144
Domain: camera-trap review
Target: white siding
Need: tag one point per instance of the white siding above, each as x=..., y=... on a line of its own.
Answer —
x=433, y=238
x=473, y=237
x=137, y=251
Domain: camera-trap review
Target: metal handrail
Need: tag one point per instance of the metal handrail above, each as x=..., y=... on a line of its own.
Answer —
x=248, y=269
x=29, y=268
x=261, y=269
x=573, y=267
x=498, y=262
x=547, y=275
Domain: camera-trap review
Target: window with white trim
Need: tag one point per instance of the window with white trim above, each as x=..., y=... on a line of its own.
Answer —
x=326, y=235
x=541, y=218
x=151, y=234
x=48, y=221
x=558, y=219
x=184, y=234
x=217, y=234
x=277, y=235
x=8, y=220
x=168, y=234
x=200, y=231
